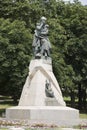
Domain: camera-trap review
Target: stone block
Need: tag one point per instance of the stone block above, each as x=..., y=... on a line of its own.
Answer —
x=61, y=116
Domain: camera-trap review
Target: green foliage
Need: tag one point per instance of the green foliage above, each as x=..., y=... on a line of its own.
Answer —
x=15, y=52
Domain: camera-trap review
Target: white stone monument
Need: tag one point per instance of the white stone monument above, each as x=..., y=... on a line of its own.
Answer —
x=41, y=100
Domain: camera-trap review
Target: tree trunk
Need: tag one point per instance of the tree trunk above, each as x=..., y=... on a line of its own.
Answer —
x=84, y=98
x=79, y=96
x=72, y=96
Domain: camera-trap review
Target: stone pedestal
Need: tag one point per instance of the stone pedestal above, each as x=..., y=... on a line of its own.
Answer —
x=61, y=116
x=33, y=93
x=35, y=105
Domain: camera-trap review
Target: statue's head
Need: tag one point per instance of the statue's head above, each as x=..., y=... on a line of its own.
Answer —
x=43, y=19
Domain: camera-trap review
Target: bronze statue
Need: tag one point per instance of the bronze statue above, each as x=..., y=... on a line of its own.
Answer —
x=41, y=44
x=48, y=90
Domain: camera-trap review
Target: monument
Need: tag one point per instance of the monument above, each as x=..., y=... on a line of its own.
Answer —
x=41, y=100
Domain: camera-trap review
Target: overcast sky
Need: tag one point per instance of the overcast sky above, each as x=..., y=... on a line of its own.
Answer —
x=84, y=2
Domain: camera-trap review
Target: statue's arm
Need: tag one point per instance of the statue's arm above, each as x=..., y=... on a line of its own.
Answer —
x=39, y=26
x=44, y=32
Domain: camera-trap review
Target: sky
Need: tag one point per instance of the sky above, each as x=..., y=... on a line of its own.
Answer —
x=84, y=2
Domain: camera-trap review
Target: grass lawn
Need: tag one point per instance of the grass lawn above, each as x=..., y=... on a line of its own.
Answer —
x=3, y=129
x=83, y=115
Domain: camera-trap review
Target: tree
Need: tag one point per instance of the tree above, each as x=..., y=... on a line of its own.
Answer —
x=15, y=53
x=76, y=53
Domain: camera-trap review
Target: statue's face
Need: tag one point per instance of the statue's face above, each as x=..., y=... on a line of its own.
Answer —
x=43, y=20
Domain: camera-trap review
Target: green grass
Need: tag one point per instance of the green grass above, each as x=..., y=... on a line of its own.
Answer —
x=83, y=116
x=3, y=129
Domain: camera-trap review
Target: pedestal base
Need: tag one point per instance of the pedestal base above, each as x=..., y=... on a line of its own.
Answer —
x=62, y=116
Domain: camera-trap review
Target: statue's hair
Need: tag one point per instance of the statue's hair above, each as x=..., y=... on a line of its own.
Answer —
x=43, y=18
